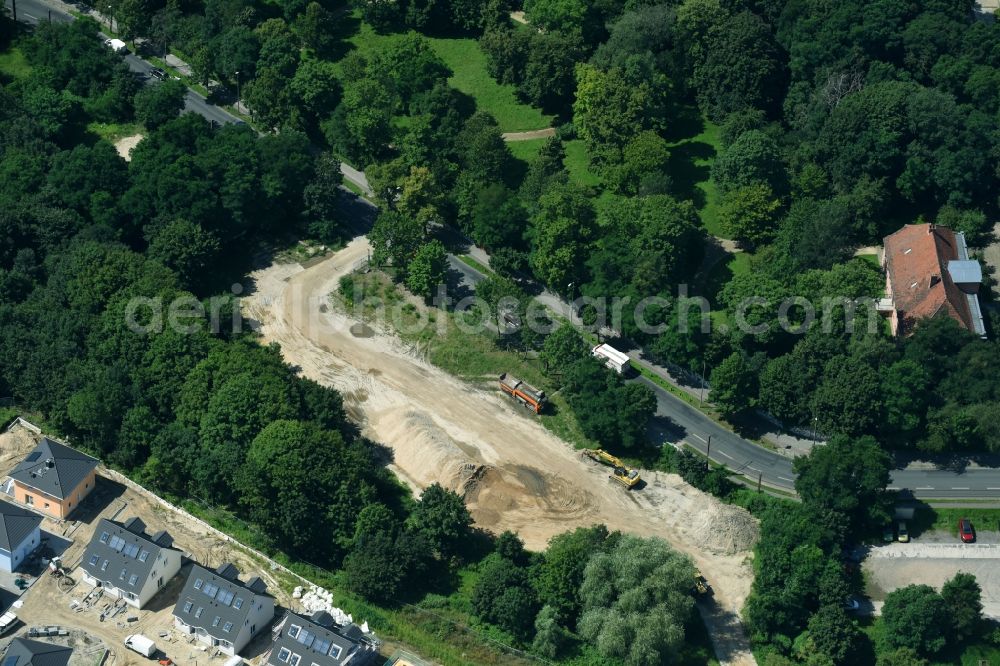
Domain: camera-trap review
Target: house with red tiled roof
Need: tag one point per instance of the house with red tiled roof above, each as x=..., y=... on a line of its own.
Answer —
x=928, y=273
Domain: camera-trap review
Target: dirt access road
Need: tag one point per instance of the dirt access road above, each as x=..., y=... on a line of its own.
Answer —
x=513, y=473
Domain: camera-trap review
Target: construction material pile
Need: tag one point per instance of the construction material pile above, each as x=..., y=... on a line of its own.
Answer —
x=319, y=599
x=726, y=529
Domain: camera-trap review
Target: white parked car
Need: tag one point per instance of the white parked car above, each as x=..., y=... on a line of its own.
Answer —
x=116, y=45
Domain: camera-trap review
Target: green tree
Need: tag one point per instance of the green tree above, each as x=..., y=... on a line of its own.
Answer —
x=550, y=637
x=548, y=80
x=159, y=103
x=560, y=234
x=609, y=111
x=502, y=596
x=563, y=347
x=834, y=634
x=751, y=160
x=501, y=296
x=749, y=215
x=558, y=578
x=395, y=240
x=848, y=477
x=440, y=516
x=902, y=656
x=734, y=384
x=187, y=249
x=309, y=514
x=963, y=597
x=915, y=616
x=316, y=28
x=645, y=165
x=636, y=601
x=427, y=269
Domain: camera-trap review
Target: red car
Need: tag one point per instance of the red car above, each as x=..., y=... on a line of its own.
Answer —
x=965, y=530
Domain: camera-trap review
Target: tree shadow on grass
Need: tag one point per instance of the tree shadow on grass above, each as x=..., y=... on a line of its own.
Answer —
x=346, y=26
x=686, y=173
x=685, y=122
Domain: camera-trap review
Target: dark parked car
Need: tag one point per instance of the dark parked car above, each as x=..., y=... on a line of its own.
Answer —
x=158, y=73
x=965, y=531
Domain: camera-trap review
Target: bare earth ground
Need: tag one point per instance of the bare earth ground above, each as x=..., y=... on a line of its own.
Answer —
x=125, y=145
x=513, y=473
x=47, y=602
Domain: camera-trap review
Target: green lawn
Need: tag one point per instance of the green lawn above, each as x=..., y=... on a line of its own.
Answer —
x=578, y=163
x=946, y=520
x=469, y=75
x=871, y=259
x=13, y=64
x=694, y=147
x=112, y=132
x=526, y=151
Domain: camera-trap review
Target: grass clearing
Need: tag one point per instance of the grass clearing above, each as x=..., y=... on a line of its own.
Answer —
x=691, y=157
x=578, y=163
x=112, y=132
x=526, y=151
x=468, y=65
x=13, y=64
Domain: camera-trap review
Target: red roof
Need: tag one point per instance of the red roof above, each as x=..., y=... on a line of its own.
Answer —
x=916, y=260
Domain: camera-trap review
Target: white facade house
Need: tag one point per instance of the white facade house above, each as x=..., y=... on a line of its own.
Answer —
x=220, y=610
x=128, y=563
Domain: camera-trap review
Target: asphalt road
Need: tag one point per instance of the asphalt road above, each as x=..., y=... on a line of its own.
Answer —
x=33, y=12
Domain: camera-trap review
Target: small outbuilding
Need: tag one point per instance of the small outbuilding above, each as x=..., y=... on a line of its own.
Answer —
x=20, y=535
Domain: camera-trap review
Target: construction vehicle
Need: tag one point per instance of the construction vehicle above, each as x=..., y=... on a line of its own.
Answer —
x=524, y=393
x=701, y=586
x=621, y=473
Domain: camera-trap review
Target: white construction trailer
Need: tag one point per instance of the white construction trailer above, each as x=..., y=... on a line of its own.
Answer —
x=614, y=359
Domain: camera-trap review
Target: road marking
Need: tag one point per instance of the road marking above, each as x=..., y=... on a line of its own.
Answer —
x=785, y=478
x=699, y=437
x=30, y=16
x=723, y=453
x=754, y=469
x=993, y=489
x=955, y=488
x=924, y=488
x=887, y=487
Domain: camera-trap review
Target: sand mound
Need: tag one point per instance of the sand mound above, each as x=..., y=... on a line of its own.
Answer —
x=727, y=529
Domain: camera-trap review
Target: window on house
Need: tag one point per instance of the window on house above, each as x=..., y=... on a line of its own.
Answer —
x=94, y=559
x=198, y=612
x=210, y=589
x=187, y=606
x=130, y=550
x=295, y=660
x=143, y=556
x=284, y=654
x=238, y=604
x=227, y=627
x=104, y=565
x=198, y=583
x=306, y=637
x=116, y=543
x=46, y=505
x=216, y=621
x=293, y=630
x=132, y=579
x=124, y=573
x=335, y=651
x=225, y=597
x=321, y=645
x=28, y=499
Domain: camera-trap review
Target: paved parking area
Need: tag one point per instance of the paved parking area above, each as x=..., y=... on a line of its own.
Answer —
x=933, y=559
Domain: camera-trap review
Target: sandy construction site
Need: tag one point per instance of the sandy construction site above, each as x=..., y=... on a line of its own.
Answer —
x=513, y=473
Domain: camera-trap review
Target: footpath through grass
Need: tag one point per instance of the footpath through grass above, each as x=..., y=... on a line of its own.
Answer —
x=468, y=65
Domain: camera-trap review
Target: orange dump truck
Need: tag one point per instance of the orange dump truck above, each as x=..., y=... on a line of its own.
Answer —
x=524, y=393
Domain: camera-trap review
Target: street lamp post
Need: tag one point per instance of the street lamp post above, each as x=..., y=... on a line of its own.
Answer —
x=237, y=89
x=111, y=20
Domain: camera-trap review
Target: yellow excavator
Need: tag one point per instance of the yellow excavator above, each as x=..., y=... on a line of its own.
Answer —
x=621, y=472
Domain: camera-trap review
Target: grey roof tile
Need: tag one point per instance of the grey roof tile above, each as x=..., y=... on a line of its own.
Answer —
x=114, y=548
x=24, y=652
x=218, y=596
x=54, y=469
x=16, y=524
